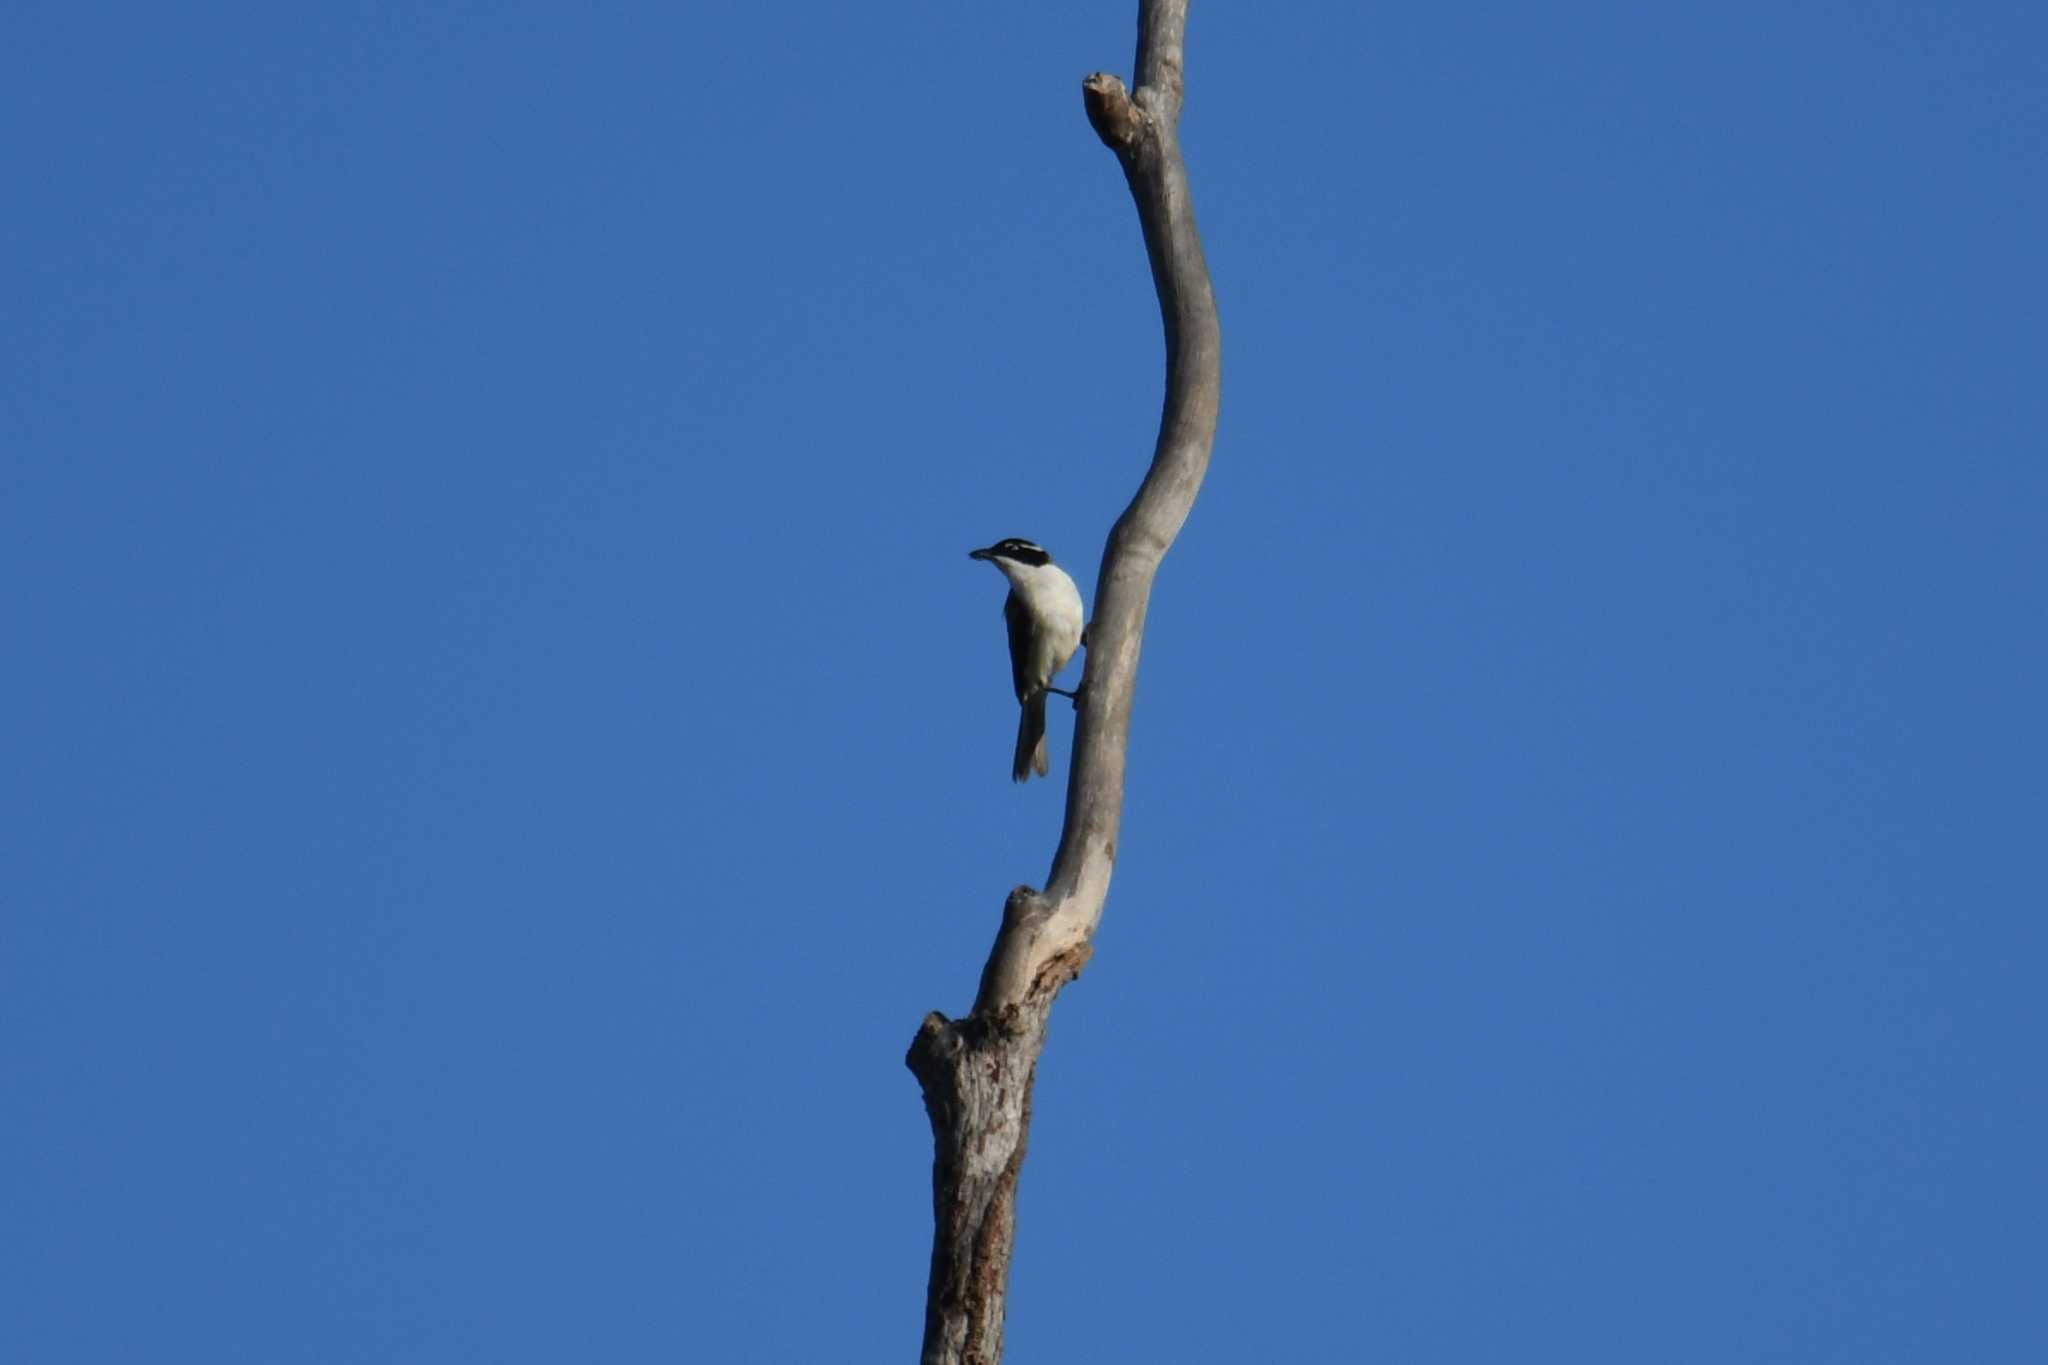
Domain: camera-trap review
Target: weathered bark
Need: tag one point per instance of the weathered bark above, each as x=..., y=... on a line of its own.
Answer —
x=977, y=1072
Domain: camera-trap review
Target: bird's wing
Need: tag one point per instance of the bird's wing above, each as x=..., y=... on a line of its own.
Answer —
x=1018, y=618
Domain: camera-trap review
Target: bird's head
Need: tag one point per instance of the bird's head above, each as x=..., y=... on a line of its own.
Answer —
x=1013, y=551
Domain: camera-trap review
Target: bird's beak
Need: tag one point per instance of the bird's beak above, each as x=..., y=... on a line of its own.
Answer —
x=980, y=554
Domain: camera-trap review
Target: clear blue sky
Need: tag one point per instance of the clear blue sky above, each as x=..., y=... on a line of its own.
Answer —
x=501, y=742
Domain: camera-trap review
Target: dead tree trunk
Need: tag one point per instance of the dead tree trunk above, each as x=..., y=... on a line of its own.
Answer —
x=977, y=1072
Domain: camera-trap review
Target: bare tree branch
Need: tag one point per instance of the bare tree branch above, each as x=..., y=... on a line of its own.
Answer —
x=977, y=1072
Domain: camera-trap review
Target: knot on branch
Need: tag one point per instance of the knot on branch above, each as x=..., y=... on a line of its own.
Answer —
x=1058, y=971
x=1116, y=120
x=1024, y=905
x=937, y=1041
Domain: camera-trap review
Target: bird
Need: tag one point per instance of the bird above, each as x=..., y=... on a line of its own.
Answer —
x=1046, y=622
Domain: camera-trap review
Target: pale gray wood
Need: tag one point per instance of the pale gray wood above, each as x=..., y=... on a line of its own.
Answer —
x=977, y=1072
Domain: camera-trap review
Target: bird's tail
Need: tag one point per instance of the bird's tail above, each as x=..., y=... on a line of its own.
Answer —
x=1030, y=741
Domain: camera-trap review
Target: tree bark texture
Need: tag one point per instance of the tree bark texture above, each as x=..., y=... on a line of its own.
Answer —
x=977, y=1072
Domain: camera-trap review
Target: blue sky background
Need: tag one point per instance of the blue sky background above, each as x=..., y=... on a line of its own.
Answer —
x=502, y=743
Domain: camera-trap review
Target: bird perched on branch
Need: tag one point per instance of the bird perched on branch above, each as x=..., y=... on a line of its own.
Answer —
x=1045, y=617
